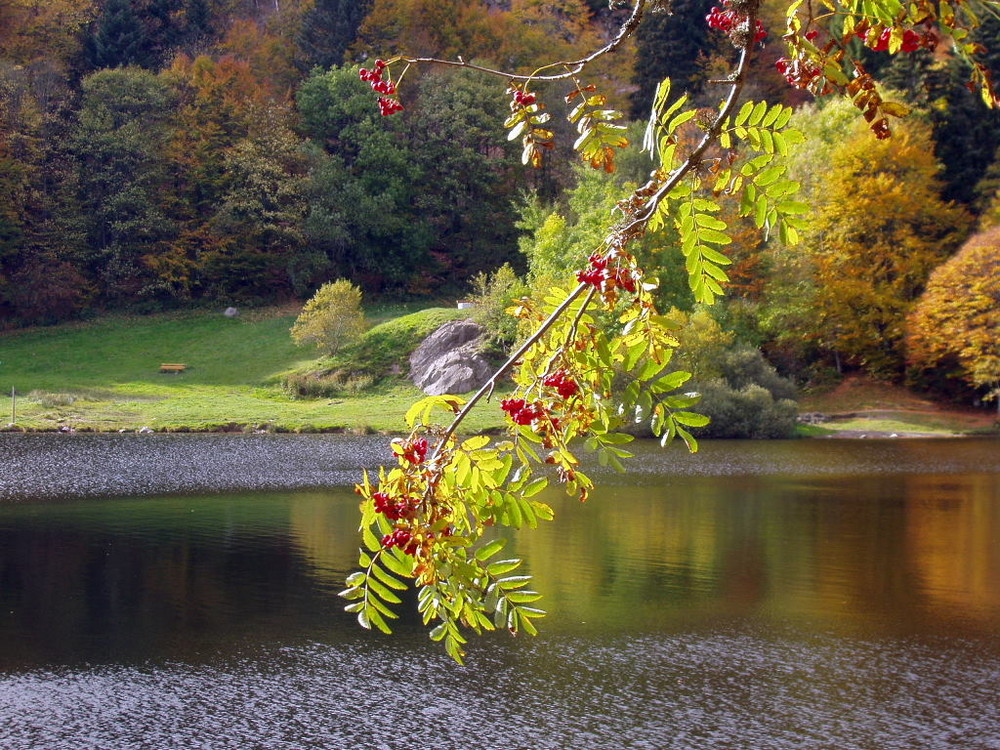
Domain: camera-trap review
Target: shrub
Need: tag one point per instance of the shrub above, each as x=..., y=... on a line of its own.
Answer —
x=332, y=318
x=745, y=366
x=326, y=385
x=748, y=412
x=741, y=391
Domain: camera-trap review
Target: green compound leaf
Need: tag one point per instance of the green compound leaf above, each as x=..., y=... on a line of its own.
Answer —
x=488, y=550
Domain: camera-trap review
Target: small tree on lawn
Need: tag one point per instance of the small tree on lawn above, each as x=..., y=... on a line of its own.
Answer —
x=332, y=318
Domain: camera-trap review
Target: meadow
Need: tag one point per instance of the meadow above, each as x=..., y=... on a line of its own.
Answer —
x=104, y=375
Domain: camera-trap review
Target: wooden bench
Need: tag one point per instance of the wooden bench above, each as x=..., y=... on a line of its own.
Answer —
x=172, y=367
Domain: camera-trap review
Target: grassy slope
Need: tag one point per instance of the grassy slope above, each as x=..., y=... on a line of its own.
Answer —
x=105, y=375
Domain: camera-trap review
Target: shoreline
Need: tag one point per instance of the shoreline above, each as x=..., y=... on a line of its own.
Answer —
x=815, y=432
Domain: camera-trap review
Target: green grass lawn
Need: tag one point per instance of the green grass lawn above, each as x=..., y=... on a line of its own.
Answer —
x=104, y=375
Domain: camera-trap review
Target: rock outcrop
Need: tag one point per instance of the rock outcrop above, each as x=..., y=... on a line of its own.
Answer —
x=450, y=359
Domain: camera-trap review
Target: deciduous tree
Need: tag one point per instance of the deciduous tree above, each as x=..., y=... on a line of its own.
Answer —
x=332, y=318
x=953, y=332
x=880, y=228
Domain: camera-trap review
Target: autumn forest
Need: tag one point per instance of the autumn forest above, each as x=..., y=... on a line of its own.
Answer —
x=160, y=154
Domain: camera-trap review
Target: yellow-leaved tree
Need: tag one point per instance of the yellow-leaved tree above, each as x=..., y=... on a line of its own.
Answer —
x=332, y=318
x=880, y=227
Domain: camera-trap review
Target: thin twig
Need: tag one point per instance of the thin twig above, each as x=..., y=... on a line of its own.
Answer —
x=571, y=67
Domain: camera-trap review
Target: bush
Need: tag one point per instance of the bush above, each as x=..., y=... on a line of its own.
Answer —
x=332, y=318
x=326, y=385
x=746, y=366
x=749, y=412
x=741, y=391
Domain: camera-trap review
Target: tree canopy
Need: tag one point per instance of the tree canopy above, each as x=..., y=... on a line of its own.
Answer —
x=954, y=329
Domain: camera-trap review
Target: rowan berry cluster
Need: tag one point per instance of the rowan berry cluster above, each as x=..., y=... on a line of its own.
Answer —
x=912, y=41
x=522, y=98
x=726, y=19
x=565, y=385
x=376, y=76
x=393, y=509
x=400, y=538
x=802, y=74
x=416, y=451
x=522, y=412
x=606, y=278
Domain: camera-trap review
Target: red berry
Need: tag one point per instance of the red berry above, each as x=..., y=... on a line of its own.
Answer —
x=882, y=43
x=416, y=451
x=912, y=41
x=524, y=98
x=594, y=277
x=520, y=412
x=388, y=106
x=565, y=386
x=400, y=538
x=598, y=261
x=811, y=35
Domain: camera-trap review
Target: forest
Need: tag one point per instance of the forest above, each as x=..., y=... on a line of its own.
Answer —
x=164, y=154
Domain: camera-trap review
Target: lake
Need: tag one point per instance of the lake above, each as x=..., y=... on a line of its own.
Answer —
x=179, y=591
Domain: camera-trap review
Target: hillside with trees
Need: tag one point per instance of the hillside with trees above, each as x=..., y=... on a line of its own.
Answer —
x=166, y=154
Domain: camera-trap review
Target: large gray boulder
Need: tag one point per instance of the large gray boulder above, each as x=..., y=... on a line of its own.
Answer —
x=449, y=360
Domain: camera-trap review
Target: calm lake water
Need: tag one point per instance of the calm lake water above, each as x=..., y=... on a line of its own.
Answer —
x=812, y=594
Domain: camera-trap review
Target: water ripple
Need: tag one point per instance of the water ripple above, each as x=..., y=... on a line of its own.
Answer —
x=658, y=692
x=40, y=466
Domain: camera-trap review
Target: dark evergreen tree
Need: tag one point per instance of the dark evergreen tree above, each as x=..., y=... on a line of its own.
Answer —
x=362, y=185
x=328, y=29
x=669, y=44
x=469, y=175
x=199, y=18
x=119, y=143
x=119, y=37
x=966, y=132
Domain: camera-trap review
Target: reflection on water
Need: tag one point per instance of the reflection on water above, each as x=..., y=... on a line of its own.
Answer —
x=842, y=599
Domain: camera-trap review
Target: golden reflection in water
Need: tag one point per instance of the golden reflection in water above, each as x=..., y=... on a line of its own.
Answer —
x=324, y=527
x=951, y=533
x=867, y=554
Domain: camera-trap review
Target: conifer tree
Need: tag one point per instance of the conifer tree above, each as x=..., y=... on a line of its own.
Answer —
x=119, y=38
x=328, y=30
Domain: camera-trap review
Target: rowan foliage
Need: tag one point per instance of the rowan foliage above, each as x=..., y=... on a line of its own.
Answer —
x=600, y=359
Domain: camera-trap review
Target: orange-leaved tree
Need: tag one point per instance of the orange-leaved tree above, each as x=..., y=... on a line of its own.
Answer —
x=954, y=329
x=599, y=359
